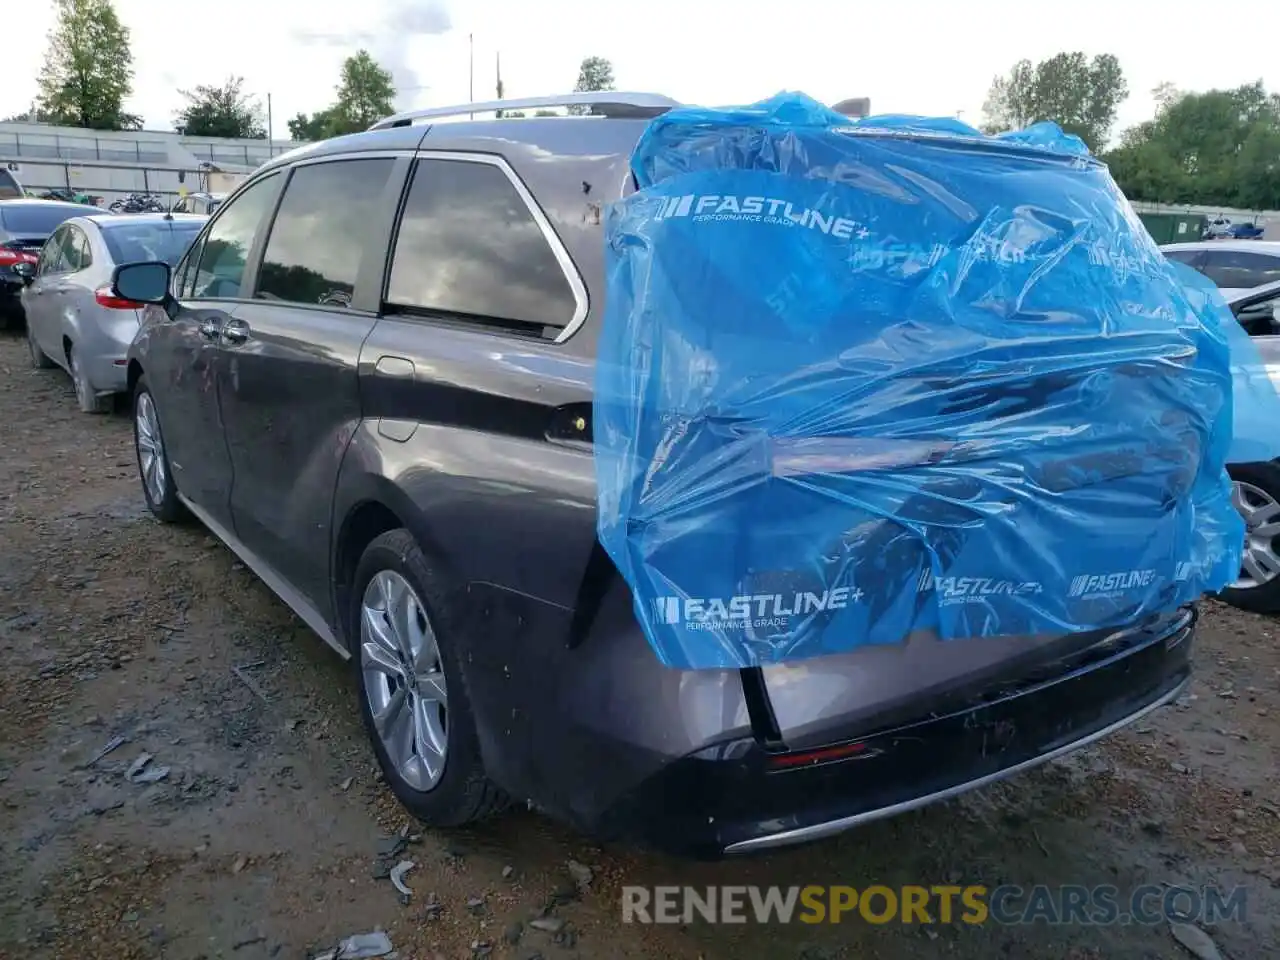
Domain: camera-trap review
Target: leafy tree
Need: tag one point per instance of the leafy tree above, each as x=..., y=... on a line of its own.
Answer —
x=594, y=73
x=365, y=95
x=317, y=126
x=88, y=68
x=1220, y=147
x=1079, y=94
x=224, y=111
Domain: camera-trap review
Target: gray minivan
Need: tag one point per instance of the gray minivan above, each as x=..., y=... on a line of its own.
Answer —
x=371, y=377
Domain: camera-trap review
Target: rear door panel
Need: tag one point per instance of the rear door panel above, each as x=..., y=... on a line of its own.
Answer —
x=464, y=423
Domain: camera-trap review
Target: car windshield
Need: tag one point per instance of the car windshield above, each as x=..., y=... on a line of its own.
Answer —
x=135, y=242
x=37, y=219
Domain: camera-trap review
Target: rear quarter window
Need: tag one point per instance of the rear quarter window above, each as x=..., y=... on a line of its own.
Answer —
x=470, y=247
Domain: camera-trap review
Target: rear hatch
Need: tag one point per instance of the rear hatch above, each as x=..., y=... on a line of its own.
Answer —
x=29, y=244
x=829, y=699
x=840, y=696
x=15, y=250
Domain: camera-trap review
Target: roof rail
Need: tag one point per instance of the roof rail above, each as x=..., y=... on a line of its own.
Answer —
x=608, y=103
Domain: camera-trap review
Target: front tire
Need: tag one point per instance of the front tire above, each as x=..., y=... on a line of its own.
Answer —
x=404, y=627
x=1255, y=492
x=87, y=398
x=158, y=487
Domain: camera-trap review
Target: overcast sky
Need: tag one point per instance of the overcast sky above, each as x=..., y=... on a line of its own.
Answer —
x=928, y=56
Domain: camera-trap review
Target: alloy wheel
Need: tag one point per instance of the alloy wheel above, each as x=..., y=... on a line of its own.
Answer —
x=1260, y=563
x=151, y=460
x=404, y=679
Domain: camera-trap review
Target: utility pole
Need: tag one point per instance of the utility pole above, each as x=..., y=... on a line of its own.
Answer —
x=471, y=83
x=270, y=150
x=497, y=61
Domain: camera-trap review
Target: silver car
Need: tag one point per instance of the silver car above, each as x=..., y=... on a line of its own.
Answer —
x=73, y=320
x=1235, y=266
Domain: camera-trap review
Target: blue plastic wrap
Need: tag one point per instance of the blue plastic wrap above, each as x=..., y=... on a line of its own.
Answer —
x=1255, y=434
x=856, y=379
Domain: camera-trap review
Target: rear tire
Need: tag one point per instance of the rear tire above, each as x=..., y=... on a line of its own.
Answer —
x=459, y=792
x=154, y=470
x=39, y=360
x=1257, y=487
x=87, y=399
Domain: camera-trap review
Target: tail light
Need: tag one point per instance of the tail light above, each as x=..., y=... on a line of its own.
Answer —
x=106, y=298
x=9, y=256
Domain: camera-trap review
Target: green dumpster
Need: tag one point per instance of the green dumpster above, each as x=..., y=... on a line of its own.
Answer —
x=1162, y=226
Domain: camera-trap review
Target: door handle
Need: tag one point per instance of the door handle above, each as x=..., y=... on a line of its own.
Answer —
x=210, y=329
x=235, y=331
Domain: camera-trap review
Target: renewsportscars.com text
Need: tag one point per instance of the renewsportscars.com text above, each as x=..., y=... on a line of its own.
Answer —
x=1101, y=905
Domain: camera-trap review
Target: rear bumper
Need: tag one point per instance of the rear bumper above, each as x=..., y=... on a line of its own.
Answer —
x=739, y=797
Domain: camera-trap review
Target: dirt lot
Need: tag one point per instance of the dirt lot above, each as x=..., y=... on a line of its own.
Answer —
x=261, y=840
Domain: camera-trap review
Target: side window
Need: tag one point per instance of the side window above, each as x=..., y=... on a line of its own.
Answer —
x=223, y=249
x=52, y=254
x=468, y=244
x=76, y=250
x=1241, y=269
x=313, y=251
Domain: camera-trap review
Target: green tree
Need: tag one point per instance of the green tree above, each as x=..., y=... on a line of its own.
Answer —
x=1219, y=147
x=365, y=94
x=594, y=74
x=88, y=68
x=1079, y=94
x=317, y=126
x=224, y=111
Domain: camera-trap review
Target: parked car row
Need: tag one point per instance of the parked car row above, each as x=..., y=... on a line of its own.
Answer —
x=25, y=227
x=370, y=375
x=74, y=320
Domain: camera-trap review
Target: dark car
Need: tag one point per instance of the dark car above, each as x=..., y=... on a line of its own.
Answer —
x=371, y=377
x=25, y=225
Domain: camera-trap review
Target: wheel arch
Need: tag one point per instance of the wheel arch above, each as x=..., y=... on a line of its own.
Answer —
x=376, y=507
x=133, y=374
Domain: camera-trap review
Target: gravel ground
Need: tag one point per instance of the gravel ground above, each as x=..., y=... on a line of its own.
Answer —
x=261, y=839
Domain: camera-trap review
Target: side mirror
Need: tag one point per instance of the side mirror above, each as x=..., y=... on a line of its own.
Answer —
x=27, y=271
x=141, y=282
